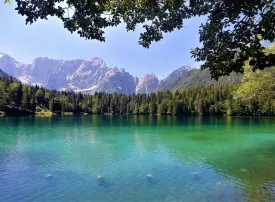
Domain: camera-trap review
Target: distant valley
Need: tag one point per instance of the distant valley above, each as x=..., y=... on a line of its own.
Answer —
x=89, y=76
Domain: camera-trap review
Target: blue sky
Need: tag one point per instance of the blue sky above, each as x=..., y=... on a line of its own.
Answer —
x=48, y=38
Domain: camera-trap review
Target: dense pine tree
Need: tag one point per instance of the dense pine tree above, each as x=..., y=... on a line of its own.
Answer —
x=253, y=97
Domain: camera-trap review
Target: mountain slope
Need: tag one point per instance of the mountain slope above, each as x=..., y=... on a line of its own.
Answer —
x=117, y=80
x=3, y=74
x=200, y=78
x=10, y=66
x=174, y=78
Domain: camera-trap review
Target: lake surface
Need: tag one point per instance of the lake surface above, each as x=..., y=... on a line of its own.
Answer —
x=137, y=158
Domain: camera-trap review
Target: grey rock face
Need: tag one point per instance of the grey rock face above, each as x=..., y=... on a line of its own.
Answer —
x=9, y=65
x=79, y=75
x=117, y=80
x=88, y=74
x=147, y=84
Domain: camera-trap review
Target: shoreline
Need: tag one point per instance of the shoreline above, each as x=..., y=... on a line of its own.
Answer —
x=51, y=114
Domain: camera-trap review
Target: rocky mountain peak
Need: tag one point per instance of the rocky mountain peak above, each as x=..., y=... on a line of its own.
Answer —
x=96, y=59
x=97, y=62
x=111, y=72
x=3, y=54
x=121, y=70
x=41, y=59
x=87, y=67
x=9, y=65
x=87, y=76
x=185, y=68
x=147, y=84
x=149, y=76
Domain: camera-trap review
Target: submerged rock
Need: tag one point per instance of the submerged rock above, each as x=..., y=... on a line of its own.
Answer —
x=196, y=175
x=48, y=175
x=101, y=180
x=219, y=183
x=244, y=170
x=151, y=179
x=100, y=177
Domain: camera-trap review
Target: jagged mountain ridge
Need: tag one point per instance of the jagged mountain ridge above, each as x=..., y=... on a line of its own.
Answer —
x=147, y=84
x=85, y=76
x=88, y=76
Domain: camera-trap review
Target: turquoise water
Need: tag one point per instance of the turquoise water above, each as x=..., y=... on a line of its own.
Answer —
x=139, y=158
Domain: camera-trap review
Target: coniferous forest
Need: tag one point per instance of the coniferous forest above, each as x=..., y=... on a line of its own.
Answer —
x=254, y=96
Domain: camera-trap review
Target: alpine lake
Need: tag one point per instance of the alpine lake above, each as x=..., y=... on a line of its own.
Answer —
x=137, y=158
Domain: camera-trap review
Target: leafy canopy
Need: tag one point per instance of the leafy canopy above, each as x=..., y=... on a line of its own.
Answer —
x=229, y=37
x=258, y=84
